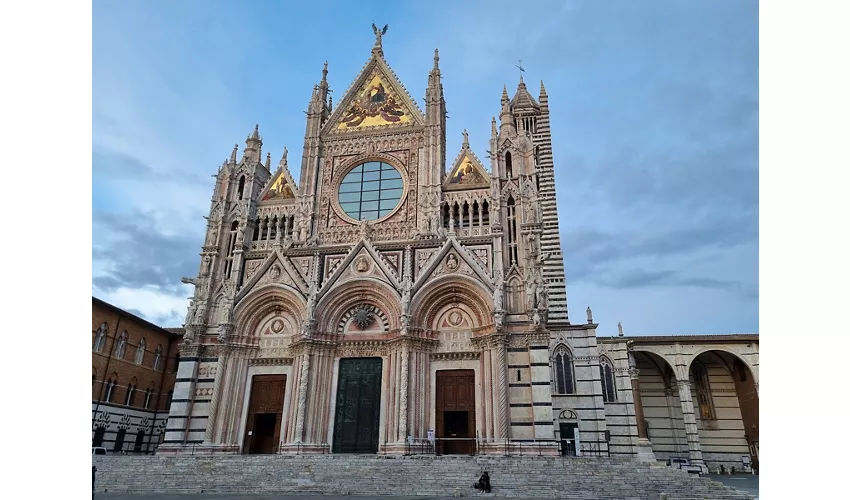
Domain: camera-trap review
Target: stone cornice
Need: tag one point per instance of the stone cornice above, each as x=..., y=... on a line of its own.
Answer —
x=270, y=362
x=454, y=356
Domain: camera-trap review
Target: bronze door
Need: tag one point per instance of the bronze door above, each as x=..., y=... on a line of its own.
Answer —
x=455, y=411
x=265, y=412
x=358, y=406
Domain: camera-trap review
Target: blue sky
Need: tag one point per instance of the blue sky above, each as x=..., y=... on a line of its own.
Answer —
x=654, y=109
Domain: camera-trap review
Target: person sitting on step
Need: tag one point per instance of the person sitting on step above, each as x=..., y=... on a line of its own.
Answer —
x=483, y=484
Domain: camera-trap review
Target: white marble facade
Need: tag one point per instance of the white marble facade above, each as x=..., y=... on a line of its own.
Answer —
x=454, y=266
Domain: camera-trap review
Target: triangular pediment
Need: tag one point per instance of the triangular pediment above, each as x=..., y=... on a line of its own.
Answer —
x=363, y=261
x=275, y=269
x=281, y=186
x=467, y=173
x=376, y=100
x=452, y=258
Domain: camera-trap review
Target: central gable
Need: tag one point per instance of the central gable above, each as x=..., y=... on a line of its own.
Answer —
x=376, y=100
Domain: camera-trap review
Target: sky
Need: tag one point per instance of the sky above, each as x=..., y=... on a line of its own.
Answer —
x=654, y=114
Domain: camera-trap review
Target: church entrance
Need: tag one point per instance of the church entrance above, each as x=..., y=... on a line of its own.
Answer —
x=358, y=406
x=455, y=412
x=265, y=412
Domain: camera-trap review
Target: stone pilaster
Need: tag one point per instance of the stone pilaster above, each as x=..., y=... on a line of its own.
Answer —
x=221, y=367
x=541, y=391
x=180, y=413
x=691, y=430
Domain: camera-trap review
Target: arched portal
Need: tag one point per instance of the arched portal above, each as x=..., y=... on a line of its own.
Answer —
x=726, y=405
x=658, y=398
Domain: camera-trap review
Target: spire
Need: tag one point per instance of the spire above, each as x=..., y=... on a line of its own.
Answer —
x=325, y=75
x=542, y=91
x=253, y=145
x=437, y=59
x=233, y=154
x=506, y=116
x=493, y=132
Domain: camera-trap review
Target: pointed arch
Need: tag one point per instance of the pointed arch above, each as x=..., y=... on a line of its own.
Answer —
x=121, y=345
x=157, y=358
x=131, y=389
x=241, y=186
x=606, y=375
x=563, y=372
x=100, y=337
x=140, y=351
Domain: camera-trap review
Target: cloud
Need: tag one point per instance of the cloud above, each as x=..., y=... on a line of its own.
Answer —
x=135, y=253
x=113, y=165
x=641, y=278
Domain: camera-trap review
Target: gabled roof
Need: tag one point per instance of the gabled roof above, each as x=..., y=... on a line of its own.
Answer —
x=467, y=171
x=375, y=100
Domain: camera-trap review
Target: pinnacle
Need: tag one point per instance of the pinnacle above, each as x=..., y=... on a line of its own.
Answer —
x=256, y=133
x=436, y=58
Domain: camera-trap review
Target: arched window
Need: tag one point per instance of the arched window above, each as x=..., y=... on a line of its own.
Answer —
x=157, y=357
x=131, y=389
x=513, y=254
x=241, y=186
x=231, y=246
x=121, y=346
x=562, y=365
x=99, y=338
x=606, y=374
x=148, y=394
x=140, y=352
x=702, y=390
x=110, y=389
x=509, y=168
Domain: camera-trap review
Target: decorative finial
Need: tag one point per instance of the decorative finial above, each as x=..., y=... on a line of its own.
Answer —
x=256, y=133
x=325, y=73
x=268, y=161
x=493, y=127
x=465, y=139
x=233, y=154
x=331, y=103
x=378, y=35
x=283, y=158
x=620, y=329
x=589, y=316
x=436, y=58
x=505, y=97
x=521, y=70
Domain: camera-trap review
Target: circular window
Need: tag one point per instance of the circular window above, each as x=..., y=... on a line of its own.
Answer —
x=370, y=190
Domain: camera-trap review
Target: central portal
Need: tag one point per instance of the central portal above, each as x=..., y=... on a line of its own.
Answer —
x=358, y=406
x=455, y=412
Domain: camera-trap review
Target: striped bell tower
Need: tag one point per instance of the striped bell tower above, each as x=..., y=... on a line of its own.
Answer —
x=532, y=116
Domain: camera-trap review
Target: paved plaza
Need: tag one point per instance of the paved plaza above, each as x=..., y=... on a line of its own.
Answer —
x=745, y=482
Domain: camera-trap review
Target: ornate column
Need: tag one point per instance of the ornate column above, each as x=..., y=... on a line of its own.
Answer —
x=502, y=354
x=402, y=398
x=691, y=430
x=302, y=396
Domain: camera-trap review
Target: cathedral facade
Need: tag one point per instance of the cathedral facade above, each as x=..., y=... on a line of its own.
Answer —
x=390, y=297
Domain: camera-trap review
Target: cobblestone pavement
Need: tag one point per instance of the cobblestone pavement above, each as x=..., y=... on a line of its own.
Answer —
x=230, y=496
x=744, y=482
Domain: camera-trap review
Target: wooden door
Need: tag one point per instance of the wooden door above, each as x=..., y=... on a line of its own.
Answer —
x=358, y=406
x=265, y=413
x=456, y=405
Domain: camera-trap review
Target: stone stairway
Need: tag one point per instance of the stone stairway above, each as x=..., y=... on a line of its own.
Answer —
x=529, y=477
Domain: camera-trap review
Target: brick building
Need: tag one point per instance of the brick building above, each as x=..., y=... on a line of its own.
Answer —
x=134, y=365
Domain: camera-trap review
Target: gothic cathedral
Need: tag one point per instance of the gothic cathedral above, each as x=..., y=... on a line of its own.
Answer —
x=388, y=298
